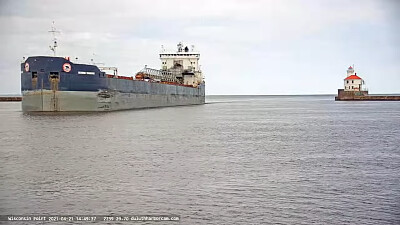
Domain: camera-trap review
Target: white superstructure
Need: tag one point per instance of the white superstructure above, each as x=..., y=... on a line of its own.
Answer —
x=184, y=63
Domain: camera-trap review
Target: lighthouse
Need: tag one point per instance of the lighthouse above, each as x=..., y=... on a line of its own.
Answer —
x=352, y=82
x=354, y=90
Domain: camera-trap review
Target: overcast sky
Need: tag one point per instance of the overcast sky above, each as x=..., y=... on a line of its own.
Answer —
x=247, y=47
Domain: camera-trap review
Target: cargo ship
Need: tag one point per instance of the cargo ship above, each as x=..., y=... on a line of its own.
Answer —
x=58, y=84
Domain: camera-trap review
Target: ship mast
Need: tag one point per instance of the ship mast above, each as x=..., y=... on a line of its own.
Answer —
x=54, y=31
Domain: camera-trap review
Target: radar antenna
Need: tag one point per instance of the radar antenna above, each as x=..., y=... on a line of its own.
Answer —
x=180, y=47
x=54, y=31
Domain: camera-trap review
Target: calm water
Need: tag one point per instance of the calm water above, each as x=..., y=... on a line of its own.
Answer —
x=236, y=160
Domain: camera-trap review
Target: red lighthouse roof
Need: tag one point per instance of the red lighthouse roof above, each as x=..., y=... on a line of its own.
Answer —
x=353, y=77
x=350, y=68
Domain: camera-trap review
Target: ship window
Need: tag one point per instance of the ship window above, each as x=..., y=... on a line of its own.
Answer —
x=347, y=81
x=53, y=75
x=352, y=87
x=352, y=81
x=34, y=74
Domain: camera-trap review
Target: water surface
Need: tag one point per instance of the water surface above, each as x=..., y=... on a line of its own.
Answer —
x=235, y=160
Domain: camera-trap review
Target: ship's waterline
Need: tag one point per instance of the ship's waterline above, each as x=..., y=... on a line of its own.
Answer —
x=74, y=101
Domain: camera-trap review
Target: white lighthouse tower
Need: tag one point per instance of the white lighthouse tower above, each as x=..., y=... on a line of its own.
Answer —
x=350, y=71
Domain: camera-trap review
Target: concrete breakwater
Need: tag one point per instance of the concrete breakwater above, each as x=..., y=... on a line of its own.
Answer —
x=10, y=99
x=363, y=96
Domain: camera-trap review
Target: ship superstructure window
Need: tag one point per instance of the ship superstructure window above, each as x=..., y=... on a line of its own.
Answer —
x=178, y=62
x=352, y=81
x=347, y=81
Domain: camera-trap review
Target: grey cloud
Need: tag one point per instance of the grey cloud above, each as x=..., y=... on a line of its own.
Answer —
x=263, y=47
